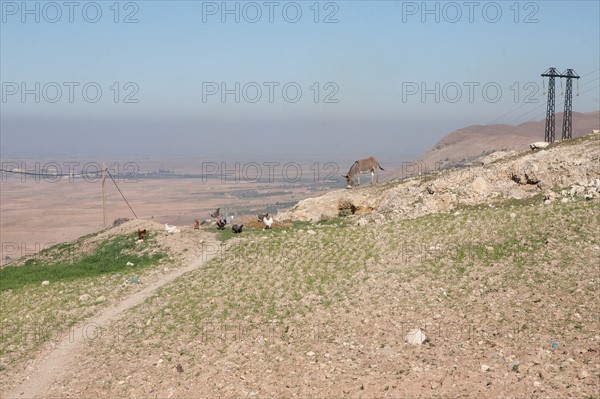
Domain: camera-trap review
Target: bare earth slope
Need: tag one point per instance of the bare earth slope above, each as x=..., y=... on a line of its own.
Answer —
x=470, y=142
x=496, y=264
x=187, y=250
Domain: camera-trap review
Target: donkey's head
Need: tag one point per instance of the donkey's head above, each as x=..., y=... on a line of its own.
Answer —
x=349, y=181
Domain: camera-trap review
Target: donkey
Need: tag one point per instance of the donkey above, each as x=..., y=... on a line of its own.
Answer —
x=362, y=166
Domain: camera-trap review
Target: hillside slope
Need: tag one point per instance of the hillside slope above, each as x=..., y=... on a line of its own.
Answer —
x=471, y=142
x=570, y=165
x=505, y=289
x=506, y=297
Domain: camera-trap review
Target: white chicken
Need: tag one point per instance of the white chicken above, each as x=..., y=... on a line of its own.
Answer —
x=171, y=229
x=268, y=221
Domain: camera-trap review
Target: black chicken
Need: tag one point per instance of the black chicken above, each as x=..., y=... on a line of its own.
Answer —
x=221, y=223
x=237, y=228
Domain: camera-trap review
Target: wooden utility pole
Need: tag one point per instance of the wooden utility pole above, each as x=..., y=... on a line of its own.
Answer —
x=104, y=193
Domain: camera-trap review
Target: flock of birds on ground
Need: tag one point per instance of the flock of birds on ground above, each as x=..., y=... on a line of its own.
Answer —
x=265, y=218
x=368, y=165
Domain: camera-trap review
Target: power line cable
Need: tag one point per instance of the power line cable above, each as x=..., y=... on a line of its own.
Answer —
x=20, y=172
x=541, y=95
x=117, y=186
x=69, y=175
x=562, y=103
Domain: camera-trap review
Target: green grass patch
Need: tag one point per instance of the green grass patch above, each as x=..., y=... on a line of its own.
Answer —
x=227, y=234
x=108, y=257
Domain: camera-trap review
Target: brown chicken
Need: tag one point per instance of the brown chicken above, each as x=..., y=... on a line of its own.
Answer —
x=141, y=234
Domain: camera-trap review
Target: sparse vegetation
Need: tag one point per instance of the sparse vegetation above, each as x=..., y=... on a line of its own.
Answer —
x=33, y=314
x=497, y=286
x=109, y=257
x=483, y=269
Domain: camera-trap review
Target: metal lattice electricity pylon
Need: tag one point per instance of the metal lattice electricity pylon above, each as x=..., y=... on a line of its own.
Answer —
x=549, y=133
x=567, y=116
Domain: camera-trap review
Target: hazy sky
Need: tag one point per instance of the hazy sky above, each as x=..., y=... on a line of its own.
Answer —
x=386, y=78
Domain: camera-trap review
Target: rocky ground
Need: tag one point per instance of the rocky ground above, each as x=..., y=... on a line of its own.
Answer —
x=500, y=274
x=36, y=319
x=562, y=171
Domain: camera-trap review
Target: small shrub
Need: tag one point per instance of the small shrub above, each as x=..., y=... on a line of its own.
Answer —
x=344, y=212
x=347, y=206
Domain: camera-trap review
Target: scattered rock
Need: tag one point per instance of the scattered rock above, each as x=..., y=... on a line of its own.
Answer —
x=485, y=367
x=583, y=374
x=45, y=283
x=537, y=384
x=576, y=190
x=84, y=298
x=310, y=354
x=517, y=193
x=538, y=145
x=415, y=337
x=430, y=189
x=129, y=264
x=311, y=232
x=362, y=222
x=513, y=215
x=549, y=196
x=101, y=298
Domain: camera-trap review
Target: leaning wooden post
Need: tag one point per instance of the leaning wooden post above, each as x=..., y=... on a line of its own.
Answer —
x=104, y=193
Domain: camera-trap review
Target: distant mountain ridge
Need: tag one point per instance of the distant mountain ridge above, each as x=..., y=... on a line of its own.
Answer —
x=473, y=142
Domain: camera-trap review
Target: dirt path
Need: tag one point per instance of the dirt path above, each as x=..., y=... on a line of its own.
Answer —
x=58, y=363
